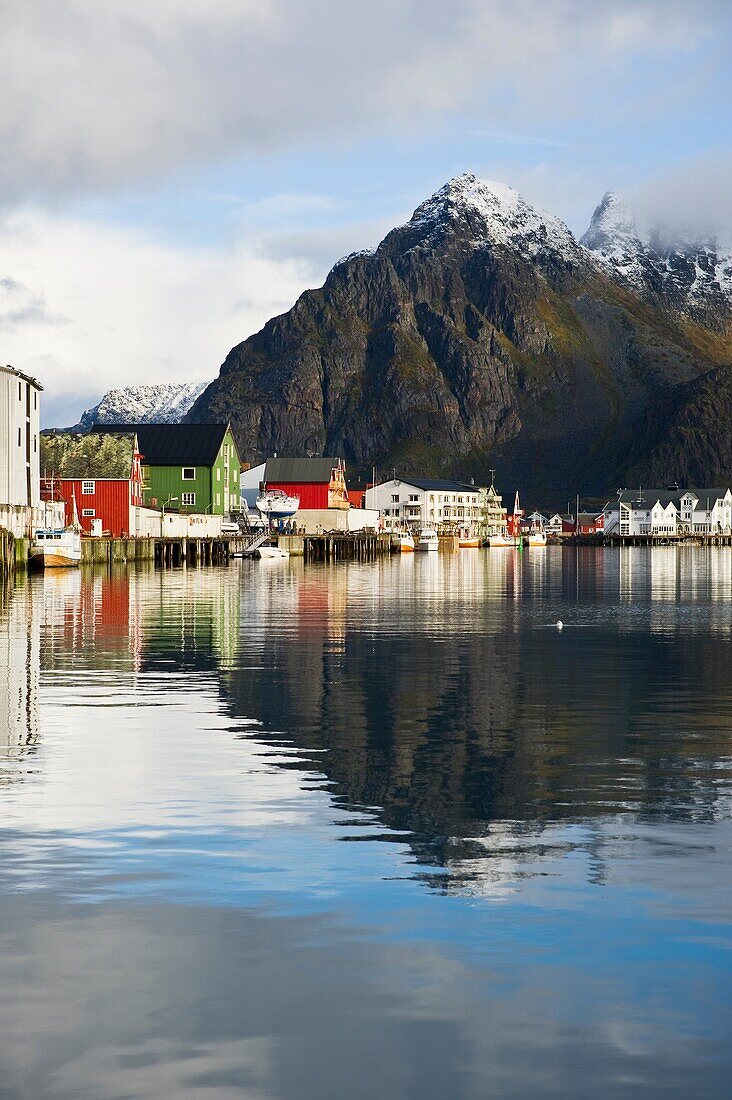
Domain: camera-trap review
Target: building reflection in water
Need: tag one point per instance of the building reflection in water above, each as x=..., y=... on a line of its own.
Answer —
x=20, y=627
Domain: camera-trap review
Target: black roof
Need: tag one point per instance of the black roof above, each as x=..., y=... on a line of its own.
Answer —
x=436, y=484
x=174, y=444
x=303, y=470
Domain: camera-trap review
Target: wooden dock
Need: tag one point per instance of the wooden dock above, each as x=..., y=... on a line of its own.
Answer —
x=337, y=546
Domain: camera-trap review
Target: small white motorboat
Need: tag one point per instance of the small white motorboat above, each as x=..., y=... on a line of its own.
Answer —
x=428, y=539
x=271, y=553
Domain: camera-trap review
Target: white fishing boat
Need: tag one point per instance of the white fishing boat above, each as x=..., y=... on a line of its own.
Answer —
x=428, y=540
x=501, y=538
x=402, y=542
x=536, y=536
x=468, y=538
x=56, y=547
x=276, y=504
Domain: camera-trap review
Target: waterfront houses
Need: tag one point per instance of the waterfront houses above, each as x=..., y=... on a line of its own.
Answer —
x=670, y=512
x=187, y=467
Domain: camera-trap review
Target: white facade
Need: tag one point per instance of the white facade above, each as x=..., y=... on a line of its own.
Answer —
x=426, y=503
x=20, y=486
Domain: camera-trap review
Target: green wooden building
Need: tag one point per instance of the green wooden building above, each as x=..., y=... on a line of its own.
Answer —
x=187, y=467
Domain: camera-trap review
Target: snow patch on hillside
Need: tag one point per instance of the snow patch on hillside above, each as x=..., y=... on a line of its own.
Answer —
x=167, y=403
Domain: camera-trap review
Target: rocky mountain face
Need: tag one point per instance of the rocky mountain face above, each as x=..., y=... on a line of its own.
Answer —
x=162, y=404
x=482, y=334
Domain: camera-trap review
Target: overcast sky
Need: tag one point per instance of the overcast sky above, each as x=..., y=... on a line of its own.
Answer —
x=173, y=173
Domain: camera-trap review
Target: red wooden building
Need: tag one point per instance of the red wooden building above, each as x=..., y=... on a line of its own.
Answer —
x=590, y=523
x=318, y=482
x=101, y=474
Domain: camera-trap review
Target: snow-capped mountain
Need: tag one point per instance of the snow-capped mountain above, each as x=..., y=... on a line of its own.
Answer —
x=683, y=271
x=167, y=403
x=497, y=215
x=482, y=332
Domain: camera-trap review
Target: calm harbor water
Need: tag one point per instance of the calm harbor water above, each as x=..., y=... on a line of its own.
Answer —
x=369, y=831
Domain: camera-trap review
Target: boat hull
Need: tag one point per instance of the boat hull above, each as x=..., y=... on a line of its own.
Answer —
x=49, y=559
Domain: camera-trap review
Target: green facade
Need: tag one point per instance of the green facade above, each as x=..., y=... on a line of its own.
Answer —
x=216, y=488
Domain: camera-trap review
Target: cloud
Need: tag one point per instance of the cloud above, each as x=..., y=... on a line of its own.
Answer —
x=19, y=306
x=97, y=95
x=693, y=199
x=91, y=304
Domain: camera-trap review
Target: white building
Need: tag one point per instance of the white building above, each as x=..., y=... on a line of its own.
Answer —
x=672, y=512
x=426, y=502
x=20, y=486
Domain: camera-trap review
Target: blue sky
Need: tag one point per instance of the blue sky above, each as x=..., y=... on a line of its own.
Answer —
x=172, y=177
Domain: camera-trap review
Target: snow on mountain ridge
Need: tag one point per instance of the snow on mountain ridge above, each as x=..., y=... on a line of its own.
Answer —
x=506, y=217
x=694, y=269
x=166, y=403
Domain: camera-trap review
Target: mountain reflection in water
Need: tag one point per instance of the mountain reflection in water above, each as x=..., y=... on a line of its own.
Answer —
x=533, y=898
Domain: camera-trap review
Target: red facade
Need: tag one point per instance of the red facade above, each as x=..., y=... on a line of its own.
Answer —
x=591, y=525
x=110, y=502
x=311, y=494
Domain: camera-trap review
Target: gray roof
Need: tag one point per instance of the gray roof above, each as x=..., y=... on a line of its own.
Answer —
x=302, y=470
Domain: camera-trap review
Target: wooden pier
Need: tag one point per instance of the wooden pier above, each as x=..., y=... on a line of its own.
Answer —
x=337, y=546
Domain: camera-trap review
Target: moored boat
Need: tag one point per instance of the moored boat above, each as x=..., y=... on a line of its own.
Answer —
x=273, y=553
x=275, y=504
x=468, y=539
x=402, y=541
x=536, y=537
x=500, y=538
x=55, y=548
x=428, y=539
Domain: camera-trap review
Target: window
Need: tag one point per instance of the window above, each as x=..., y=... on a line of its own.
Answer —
x=218, y=499
x=87, y=512
x=20, y=391
x=35, y=400
x=35, y=443
x=395, y=499
x=188, y=498
x=413, y=496
x=218, y=473
x=189, y=473
x=19, y=443
x=88, y=488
